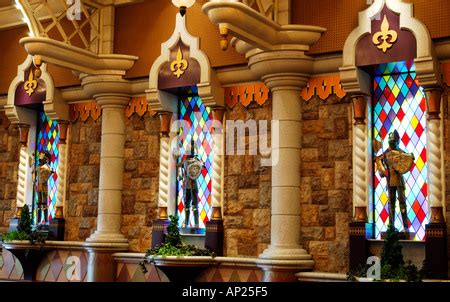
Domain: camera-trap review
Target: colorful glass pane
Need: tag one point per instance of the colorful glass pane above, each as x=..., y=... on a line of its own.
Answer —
x=399, y=104
x=47, y=140
x=198, y=116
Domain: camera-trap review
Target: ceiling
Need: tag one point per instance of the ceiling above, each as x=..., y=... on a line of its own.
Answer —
x=4, y=3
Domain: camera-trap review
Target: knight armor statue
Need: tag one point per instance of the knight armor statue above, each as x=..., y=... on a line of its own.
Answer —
x=189, y=170
x=392, y=164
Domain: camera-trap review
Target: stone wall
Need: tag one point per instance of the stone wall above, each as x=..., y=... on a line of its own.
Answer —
x=83, y=178
x=141, y=180
x=247, y=193
x=9, y=167
x=326, y=182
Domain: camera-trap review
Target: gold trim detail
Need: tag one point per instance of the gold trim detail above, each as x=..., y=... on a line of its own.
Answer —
x=30, y=85
x=179, y=65
x=358, y=231
x=384, y=35
x=434, y=233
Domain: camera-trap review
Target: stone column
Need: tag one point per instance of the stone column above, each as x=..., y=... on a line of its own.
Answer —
x=285, y=74
x=359, y=247
x=111, y=169
x=217, y=165
x=285, y=220
x=159, y=225
x=436, y=248
x=360, y=179
x=435, y=154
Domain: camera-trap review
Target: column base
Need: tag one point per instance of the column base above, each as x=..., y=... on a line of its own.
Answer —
x=214, y=236
x=159, y=230
x=285, y=253
x=359, y=247
x=436, y=250
x=283, y=270
x=103, y=237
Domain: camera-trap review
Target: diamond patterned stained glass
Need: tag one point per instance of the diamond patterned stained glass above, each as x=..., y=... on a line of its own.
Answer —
x=399, y=104
x=47, y=140
x=198, y=116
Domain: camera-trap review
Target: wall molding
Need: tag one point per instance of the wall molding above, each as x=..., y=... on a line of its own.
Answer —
x=82, y=111
x=138, y=105
x=322, y=86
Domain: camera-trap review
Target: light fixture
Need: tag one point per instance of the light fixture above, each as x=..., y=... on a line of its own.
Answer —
x=183, y=5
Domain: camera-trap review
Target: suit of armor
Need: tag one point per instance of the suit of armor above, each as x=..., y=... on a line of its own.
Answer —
x=44, y=173
x=189, y=170
x=395, y=181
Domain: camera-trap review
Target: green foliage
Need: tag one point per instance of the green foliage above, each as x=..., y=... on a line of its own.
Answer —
x=173, y=237
x=25, y=220
x=24, y=230
x=15, y=235
x=393, y=267
x=173, y=246
x=391, y=255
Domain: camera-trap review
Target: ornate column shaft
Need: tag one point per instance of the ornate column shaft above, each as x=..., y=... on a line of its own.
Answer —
x=218, y=162
x=360, y=194
x=164, y=164
x=62, y=164
x=435, y=154
x=111, y=168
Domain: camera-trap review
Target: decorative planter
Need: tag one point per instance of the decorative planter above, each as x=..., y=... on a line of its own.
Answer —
x=29, y=255
x=181, y=269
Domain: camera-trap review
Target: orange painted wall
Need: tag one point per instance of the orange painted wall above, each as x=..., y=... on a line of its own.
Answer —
x=141, y=28
x=13, y=54
x=433, y=13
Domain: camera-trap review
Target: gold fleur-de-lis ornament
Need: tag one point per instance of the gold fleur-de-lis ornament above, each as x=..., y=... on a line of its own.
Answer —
x=179, y=65
x=385, y=38
x=30, y=85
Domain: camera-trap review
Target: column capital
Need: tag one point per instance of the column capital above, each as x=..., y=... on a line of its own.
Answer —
x=433, y=97
x=165, y=118
x=359, y=102
x=107, y=90
x=63, y=127
x=281, y=69
x=112, y=100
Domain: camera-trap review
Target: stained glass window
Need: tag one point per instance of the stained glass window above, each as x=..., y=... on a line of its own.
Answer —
x=47, y=140
x=399, y=104
x=198, y=116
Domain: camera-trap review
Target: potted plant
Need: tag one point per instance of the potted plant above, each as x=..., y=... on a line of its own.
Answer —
x=179, y=261
x=393, y=267
x=21, y=243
